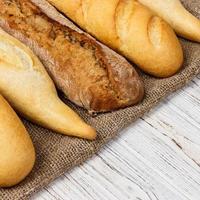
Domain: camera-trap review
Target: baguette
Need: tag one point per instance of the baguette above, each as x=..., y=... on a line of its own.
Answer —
x=17, y=154
x=28, y=88
x=90, y=75
x=183, y=22
x=131, y=29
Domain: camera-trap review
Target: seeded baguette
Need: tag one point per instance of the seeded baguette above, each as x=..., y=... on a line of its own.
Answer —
x=90, y=76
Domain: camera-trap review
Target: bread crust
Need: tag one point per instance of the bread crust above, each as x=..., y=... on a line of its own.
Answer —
x=26, y=85
x=131, y=29
x=181, y=20
x=17, y=154
x=90, y=76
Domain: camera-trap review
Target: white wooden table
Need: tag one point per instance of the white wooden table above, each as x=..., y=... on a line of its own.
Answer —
x=156, y=158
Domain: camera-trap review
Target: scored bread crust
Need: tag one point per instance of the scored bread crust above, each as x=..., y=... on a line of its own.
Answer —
x=182, y=21
x=130, y=28
x=90, y=75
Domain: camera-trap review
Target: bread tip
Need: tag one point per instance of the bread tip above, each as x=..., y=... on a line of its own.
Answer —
x=90, y=133
x=82, y=131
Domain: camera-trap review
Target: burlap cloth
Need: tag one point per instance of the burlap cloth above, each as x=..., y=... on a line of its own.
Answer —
x=56, y=154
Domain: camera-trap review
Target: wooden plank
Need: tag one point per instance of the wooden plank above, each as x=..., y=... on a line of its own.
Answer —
x=158, y=157
x=111, y=176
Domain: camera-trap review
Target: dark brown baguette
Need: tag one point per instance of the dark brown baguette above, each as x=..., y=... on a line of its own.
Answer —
x=90, y=75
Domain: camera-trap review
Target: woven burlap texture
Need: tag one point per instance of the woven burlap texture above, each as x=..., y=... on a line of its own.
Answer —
x=56, y=154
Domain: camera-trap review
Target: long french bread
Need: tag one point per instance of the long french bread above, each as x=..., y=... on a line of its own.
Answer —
x=28, y=88
x=183, y=22
x=90, y=75
x=130, y=28
x=17, y=154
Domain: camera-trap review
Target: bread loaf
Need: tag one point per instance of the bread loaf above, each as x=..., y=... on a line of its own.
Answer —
x=27, y=86
x=17, y=154
x=183, y=22
x=90, y=75
x=131, y=29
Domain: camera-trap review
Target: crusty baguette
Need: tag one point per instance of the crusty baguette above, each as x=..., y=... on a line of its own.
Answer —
x=90, y=75
x=27, y=86
x=17, y=154
x=131, y=29
x=183, y=22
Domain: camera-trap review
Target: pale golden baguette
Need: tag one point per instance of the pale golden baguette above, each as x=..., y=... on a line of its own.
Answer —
x=17, y=154
x=183, y=22
x=27, y=86
x=130, y=28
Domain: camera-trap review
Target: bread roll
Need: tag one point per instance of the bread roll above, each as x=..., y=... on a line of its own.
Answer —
x=90, y=75
x=183, y=22
x=17, y=154
x=27, y=86
x=131, y=29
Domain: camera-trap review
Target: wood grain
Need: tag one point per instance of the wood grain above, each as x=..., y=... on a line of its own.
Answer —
x=156, y=158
